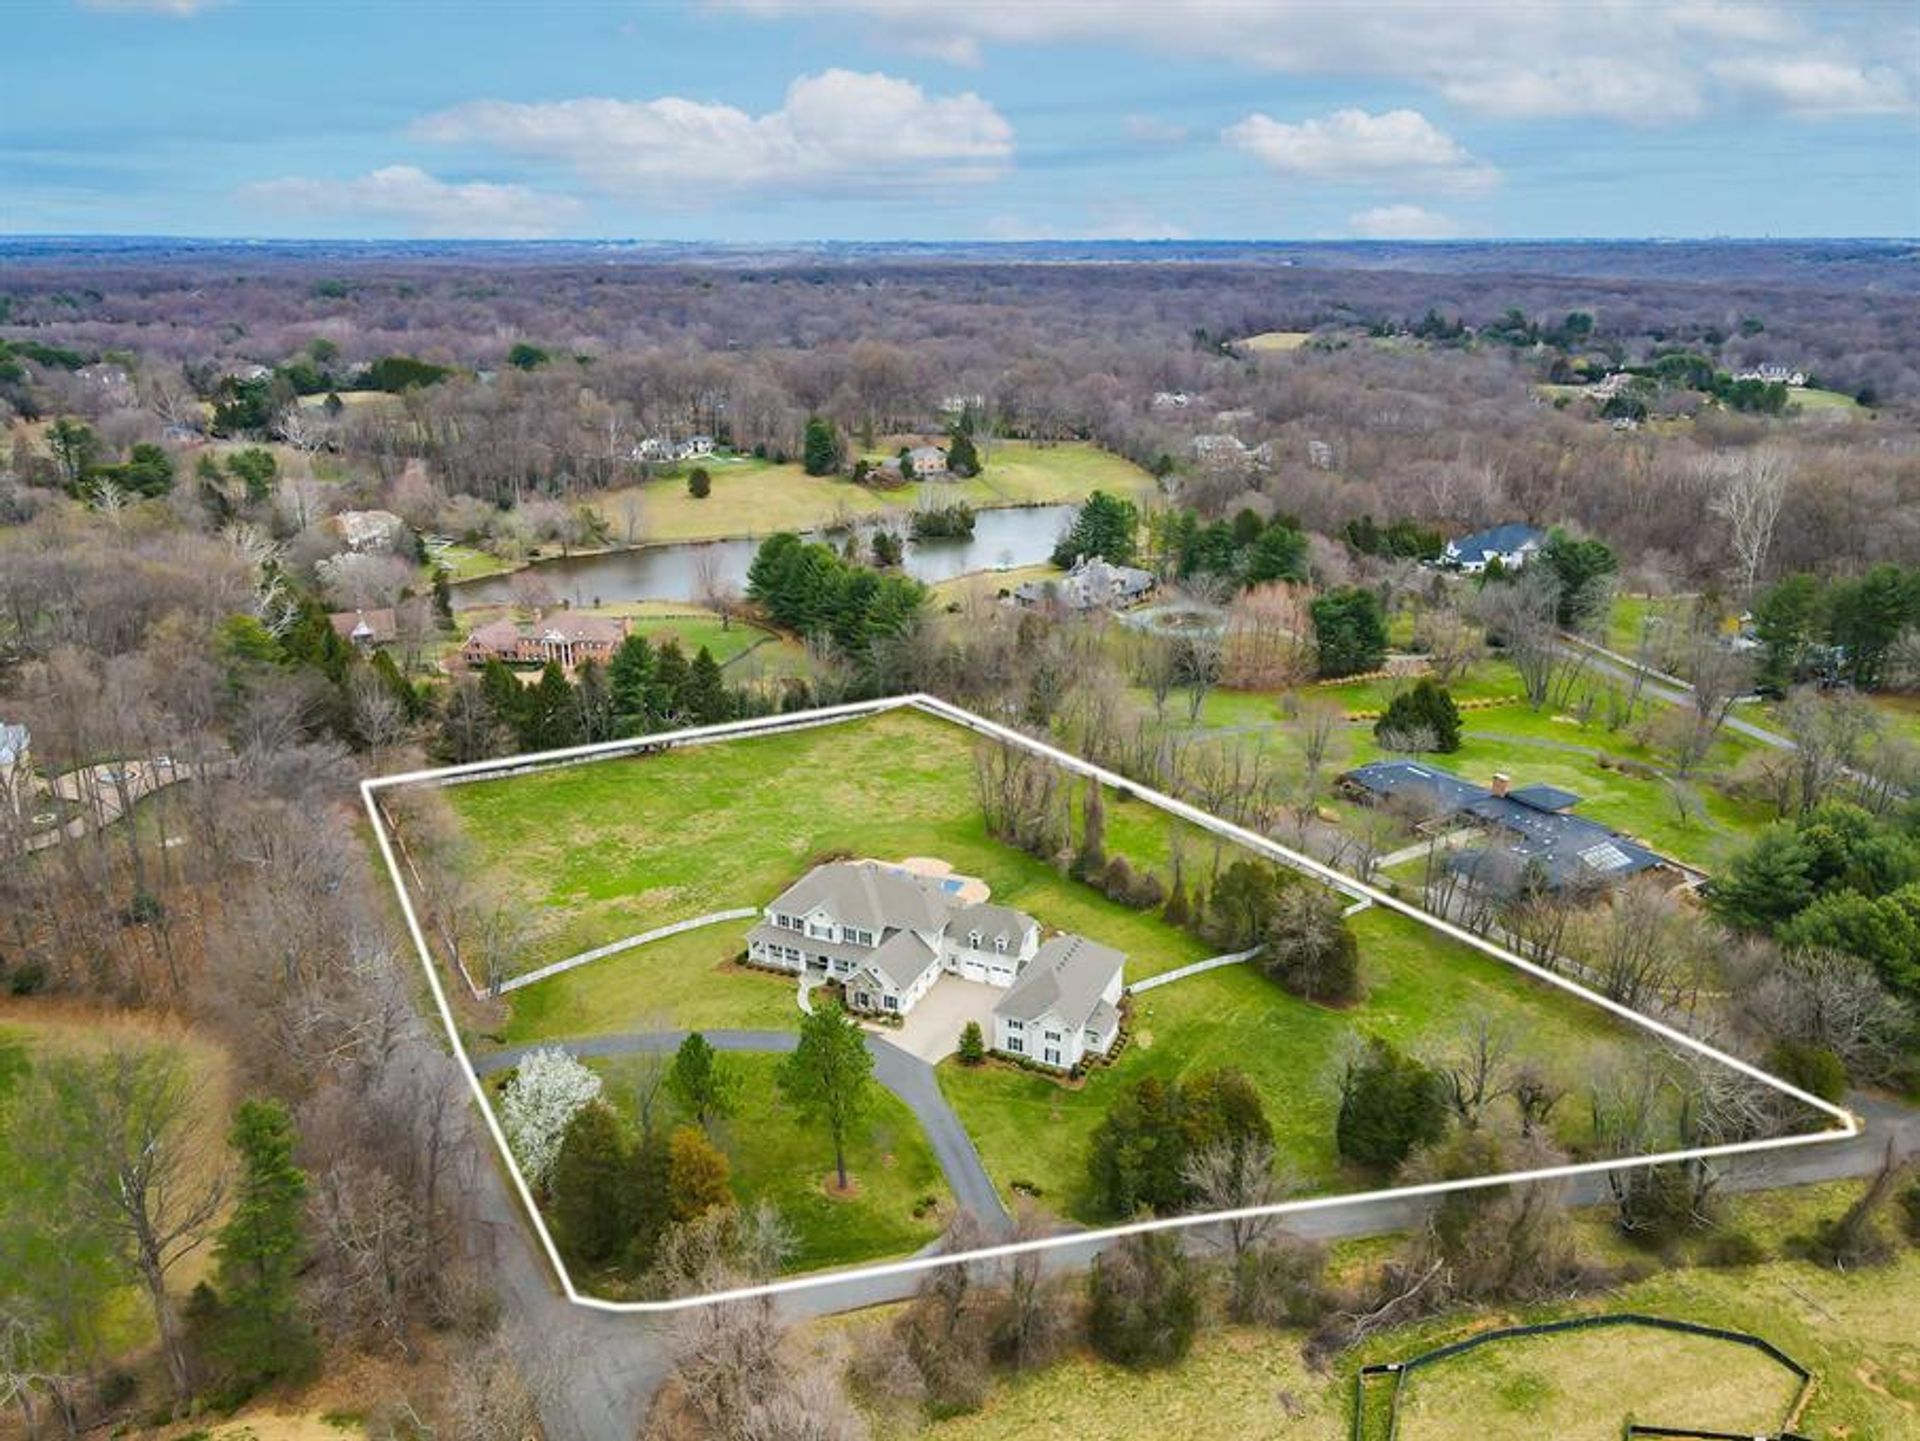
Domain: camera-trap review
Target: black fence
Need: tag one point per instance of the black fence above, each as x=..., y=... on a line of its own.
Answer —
x=1399, y=1370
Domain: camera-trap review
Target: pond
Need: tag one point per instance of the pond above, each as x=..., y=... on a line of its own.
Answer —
x=1002, y=540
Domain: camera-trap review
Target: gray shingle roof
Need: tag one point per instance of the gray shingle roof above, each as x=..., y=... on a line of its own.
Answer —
x=868, y=894
x=993, y=922
x=1498, y=540
x=901, y=959
x=1065, y=977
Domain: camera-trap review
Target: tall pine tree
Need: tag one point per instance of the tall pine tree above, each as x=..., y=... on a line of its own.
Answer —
x=261, y=1334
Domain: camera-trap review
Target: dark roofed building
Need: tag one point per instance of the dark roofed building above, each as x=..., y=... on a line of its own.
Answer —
x=1538, y=841
x=1513, y=545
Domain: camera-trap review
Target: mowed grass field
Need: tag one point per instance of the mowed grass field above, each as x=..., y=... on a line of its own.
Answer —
x=1034, y=1134
x=1857, y=1332
x=752, y=497
x=1271, y=340
x=607, y=850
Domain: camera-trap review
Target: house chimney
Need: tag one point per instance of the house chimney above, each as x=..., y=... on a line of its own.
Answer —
x=1501, y=781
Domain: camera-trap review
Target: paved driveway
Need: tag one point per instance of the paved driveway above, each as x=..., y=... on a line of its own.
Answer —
x=931, y=1030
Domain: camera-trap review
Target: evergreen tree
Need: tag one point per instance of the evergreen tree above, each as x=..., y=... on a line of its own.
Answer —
x=506, y=698
x=1584, y=570
x=261, y=1333
x=396, y=685
x=587, y=1186
x=1106, y=526
x=442, y=597
x=829, y=1077
x=549, y=720
x=671, y=677
x=703, y=1088
x=1423, y=718
x=1767, y=883
x=630, y=678
x=1278, y=553
x=820, y=450
x=1783, y=619
x=1390, y=1104
x=593, y=703
x=973, y=1044
x=649, y=1203
x=699, y=483
x=1349, y=630
x=962, y=459
x=705, y=698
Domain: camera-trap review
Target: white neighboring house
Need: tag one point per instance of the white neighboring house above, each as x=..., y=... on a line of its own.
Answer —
x=1171, y=400
x=887, y=934
x=693, y=447
x=1775, y=375
x=1513, y=545
x=1065, y=1006
x=655, y=448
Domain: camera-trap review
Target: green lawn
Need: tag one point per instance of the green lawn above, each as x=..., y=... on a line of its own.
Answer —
x=684, y=982
x=758, y=497
x=1813, y=401
x=1034, y=1132
x=607, y=850
x=777, y=1157
x=1547, y=746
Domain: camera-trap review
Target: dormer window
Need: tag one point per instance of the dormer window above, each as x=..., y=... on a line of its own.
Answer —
x=1000, y=944
x=973, y=939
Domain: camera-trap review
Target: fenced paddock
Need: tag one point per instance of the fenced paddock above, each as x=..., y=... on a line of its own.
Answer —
x=1590, y=1378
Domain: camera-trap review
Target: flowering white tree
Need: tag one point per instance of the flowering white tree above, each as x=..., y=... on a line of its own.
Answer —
x=546, y=1092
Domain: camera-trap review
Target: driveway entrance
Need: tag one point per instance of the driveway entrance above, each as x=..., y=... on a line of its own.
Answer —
x=932, y=1028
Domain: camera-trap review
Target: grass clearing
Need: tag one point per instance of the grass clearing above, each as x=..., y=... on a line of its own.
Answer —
x=753, y=497
x=1270, y=340
x=608, y=850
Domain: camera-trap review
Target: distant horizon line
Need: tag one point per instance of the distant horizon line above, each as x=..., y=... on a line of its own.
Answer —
x=142, y=237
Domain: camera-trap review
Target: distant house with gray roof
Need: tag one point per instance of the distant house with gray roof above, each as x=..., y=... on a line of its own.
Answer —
x=1533, y=840
x=1513, y=545
x=886, y=934
x=1094, y=583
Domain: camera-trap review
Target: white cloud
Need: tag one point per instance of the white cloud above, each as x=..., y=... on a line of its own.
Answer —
x=1353, y=147
x=835, y=131
x=1401, y=222
x=1817, y=88
x=423, y=205
x=1626, y=60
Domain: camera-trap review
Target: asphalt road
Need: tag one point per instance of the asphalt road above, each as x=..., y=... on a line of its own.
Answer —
x=907, y=1076
x=613, y=1363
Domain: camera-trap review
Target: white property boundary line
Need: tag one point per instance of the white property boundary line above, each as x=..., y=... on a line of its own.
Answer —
x=1848, y=1125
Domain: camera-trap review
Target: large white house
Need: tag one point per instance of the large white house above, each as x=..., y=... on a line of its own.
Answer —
x=886, y=934
x=1065, y=1005
x=1513, y=545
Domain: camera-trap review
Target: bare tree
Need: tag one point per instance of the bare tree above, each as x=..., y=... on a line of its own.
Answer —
x=147, y=1166
x=1481, y=1071
x=1750, y=486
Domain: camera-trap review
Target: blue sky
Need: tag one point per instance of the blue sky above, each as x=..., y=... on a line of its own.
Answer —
x=759, y=120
